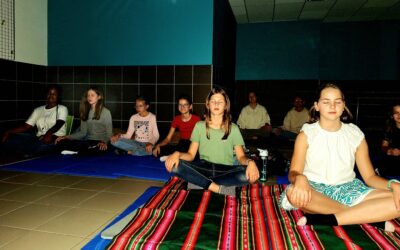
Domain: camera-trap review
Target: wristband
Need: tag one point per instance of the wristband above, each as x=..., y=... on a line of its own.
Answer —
x=390, y=182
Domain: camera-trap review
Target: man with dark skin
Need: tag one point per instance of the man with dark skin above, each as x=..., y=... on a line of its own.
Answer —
x=49, y=121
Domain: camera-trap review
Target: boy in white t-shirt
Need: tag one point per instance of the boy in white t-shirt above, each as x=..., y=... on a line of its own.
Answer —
x=49, y=121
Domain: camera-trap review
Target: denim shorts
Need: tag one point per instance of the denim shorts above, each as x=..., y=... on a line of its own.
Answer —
x=349, y=194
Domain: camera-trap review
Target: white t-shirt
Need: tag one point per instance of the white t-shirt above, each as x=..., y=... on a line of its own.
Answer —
x=44, y=119
x=330, y=156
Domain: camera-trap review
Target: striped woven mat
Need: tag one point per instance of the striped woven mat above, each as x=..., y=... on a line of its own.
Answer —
x=178, y=219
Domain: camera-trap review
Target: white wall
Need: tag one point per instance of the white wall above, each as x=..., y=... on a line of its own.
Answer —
x=31, y=31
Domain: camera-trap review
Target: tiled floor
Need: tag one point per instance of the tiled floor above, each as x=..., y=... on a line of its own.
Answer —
x=44, y=211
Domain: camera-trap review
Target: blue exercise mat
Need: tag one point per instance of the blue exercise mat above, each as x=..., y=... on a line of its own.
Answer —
x=99, y=243
x=106, y=166
x=282, y=179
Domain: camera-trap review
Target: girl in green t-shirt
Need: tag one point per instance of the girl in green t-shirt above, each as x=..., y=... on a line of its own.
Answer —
x=216, y=138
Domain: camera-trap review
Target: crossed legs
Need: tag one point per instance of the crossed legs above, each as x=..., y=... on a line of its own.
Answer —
x=377, y=206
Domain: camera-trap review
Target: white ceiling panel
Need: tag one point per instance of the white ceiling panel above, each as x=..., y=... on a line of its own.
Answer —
x=391, y=14
x=318, y=6
x=258, y=2
x=236, y=2
x=343, y=10
x=248, y=11
x=287, y=11
x=260, y=13
x=239, y=10
x=288, y=1
x=312, y=15
x=380, y=3
x=241, y=19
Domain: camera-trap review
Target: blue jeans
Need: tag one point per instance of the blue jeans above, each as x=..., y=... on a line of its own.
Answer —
x=27, y=144
x=202, y=173
x=137, y=148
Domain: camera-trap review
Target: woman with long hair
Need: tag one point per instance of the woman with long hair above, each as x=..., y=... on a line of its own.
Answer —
x=95, y=129
x=215, y=139
x=323, y=182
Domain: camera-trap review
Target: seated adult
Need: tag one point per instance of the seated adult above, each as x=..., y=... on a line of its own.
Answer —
x=95, y=129
x=185, y=123
x=49, y=121
x=254, y=121
x=389, y=164
x=294, y=120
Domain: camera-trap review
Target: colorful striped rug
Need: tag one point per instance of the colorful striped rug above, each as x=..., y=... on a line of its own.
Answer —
x=178, y=219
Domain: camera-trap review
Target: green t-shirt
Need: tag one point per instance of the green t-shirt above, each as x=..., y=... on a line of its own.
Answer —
x=215, y=149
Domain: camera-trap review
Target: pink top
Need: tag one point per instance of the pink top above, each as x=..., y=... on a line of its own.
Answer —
x=145, y=128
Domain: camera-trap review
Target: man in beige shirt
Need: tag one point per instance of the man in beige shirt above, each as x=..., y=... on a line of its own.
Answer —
x=254, y=120
x=294, y=120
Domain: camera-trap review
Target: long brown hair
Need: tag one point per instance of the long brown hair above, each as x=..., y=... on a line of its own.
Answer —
x=227, y=118
x=85, y=107
x=390, y=125
x=314, y=114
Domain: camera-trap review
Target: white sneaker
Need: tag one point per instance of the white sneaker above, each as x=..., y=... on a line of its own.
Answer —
x=68, y=152
x=163, y=158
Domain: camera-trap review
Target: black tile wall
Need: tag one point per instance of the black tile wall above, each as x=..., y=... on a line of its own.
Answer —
x=186, y=89
x=165, y=111
x=129, y=92
x=148, y=74
x=52, y=74
x=115, y=109
x=8, y=114
x=165, y=93
x=67, y=92
x=113, y=93
x=66, y=75
x=202, y=74
x=39, y=73
x=20, y=84
x=184, y=74
x=165, y=74
x=25, y=108
x=24, y=89
x=39, y=92
x=200, y=92
x=130, y=74
x=24, y=72
x=70, y=105
x=8, y=90
x=8, y=70
x=81, y=74
x=128, y=109
x=97, y=74
x=148, y=91
x=75, y=107
x=113, y=74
